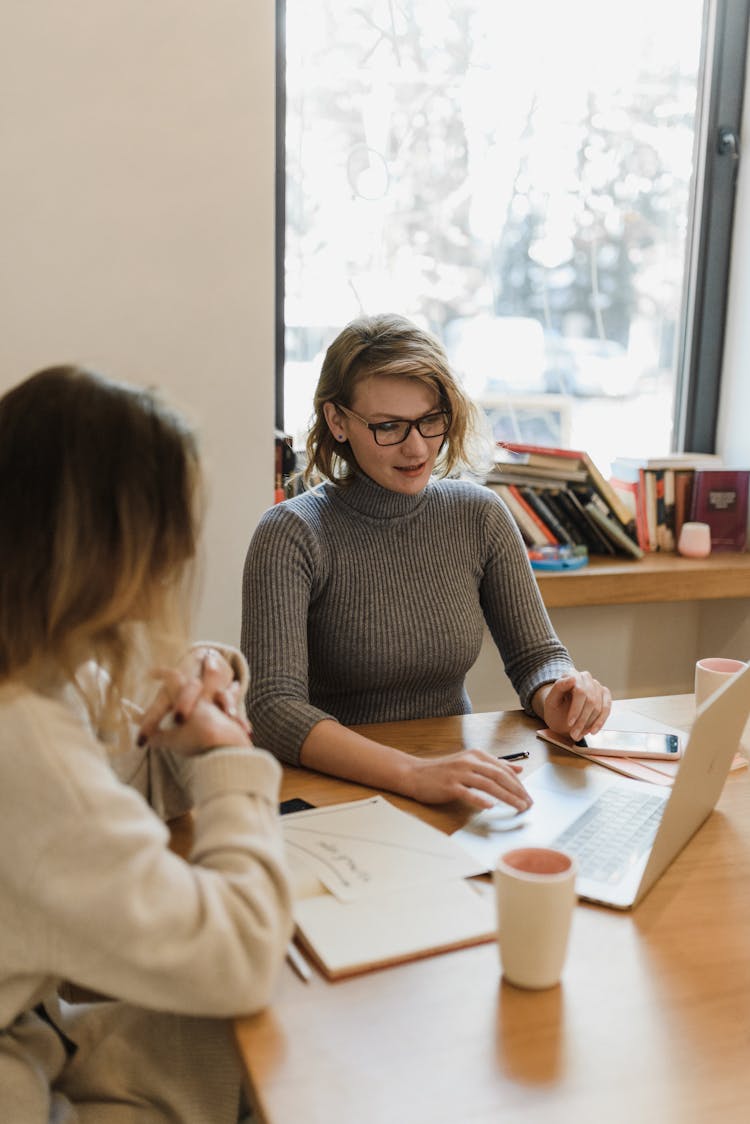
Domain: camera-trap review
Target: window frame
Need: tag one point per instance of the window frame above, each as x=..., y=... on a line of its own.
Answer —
x=712, y=214
x=717, y=157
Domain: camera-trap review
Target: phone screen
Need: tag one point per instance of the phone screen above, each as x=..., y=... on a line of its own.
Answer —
x=634, y=742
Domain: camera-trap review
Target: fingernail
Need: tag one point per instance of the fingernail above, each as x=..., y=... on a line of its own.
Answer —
x=179, y=718
x=141, y=740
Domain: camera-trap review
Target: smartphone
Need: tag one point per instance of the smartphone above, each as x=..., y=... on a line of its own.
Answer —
x=296, y=804
x=631, y=743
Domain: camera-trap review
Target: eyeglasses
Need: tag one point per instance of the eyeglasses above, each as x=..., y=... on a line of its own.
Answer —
x=396, y=431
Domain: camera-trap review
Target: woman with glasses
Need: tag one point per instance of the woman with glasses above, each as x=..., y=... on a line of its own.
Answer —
x=365, y=598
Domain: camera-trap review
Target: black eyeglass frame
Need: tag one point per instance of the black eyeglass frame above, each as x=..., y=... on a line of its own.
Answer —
x=410, y=425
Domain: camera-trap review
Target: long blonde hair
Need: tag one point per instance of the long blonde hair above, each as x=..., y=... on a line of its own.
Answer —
x=386, y=344
x=98, y=491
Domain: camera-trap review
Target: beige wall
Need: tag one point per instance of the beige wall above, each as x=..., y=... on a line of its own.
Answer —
x=634, y=649
x=136, y=225
x=136, y=233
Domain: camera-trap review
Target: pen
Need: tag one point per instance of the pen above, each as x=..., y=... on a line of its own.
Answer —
x=298, y=962
x=514, y=756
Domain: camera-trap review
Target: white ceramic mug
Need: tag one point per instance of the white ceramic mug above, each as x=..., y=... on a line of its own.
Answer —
x=694, y=540
x=535, y=893
x=712, y=673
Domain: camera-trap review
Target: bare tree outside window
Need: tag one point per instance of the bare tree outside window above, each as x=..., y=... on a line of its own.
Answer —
x=515, y=177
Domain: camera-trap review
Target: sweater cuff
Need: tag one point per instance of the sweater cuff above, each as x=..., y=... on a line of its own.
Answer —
x=220, y=771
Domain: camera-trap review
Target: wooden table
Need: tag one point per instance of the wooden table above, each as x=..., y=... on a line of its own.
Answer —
x=651, y=1023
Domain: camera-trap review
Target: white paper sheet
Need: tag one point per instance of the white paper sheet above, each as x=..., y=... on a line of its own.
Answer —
x=369, y=847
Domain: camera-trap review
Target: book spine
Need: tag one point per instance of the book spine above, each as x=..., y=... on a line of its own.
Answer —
x=659, y=507
x=566, y=501
x=641, y=516
x=521, y=494
x=530, y=533
x=546, y=514
x=610, y=527
x=669, y=536
x=555, y=498
x=656, y=483
x=650, y=493
x=597, y=541
x=683, y=491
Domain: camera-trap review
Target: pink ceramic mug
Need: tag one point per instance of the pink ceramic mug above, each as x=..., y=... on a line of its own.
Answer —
x=712, y=673
x=535, y=894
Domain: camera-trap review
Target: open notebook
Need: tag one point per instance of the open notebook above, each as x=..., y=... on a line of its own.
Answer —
x=375, y=886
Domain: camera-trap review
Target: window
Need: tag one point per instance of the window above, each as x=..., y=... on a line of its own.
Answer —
x=546, y=186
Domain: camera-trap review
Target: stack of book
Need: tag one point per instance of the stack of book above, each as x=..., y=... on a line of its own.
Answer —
x=559, y=497
x=659, y=494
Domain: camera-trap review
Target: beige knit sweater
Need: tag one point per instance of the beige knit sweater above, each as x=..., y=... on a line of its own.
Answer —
x=91, y=893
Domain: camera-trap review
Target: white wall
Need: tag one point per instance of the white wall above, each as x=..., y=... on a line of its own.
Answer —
x=136, y=226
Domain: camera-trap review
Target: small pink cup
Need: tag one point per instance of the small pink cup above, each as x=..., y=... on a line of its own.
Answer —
x=695, y=540
x=711, y=674
x=535, y=895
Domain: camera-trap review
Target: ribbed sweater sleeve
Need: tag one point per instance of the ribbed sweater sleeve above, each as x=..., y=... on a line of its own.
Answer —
x=278, y=582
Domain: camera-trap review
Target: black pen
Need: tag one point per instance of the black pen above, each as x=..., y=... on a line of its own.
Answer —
x=514, y=756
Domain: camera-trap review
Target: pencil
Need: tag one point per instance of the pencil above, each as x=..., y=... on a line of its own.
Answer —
x=298, y=962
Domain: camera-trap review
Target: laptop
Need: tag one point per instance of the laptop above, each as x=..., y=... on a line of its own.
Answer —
x=623, y=833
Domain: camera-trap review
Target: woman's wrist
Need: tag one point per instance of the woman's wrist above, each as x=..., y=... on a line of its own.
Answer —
x=407, y=771
x=539, y=698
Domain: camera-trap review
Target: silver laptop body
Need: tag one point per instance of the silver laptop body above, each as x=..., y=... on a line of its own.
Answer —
x=648, y=824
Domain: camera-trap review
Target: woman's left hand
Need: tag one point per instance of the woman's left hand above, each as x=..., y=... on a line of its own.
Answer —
x=575, y=705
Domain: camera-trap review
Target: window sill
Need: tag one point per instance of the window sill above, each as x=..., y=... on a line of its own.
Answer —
x=657, y=577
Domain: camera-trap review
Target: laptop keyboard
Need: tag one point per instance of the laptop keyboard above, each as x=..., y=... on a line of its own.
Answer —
x=612, y=834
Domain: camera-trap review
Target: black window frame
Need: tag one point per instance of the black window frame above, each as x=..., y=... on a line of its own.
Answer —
x=712, y=214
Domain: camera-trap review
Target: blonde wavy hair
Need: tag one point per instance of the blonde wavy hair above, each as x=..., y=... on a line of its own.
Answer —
x=98, y=522
x=386, y=344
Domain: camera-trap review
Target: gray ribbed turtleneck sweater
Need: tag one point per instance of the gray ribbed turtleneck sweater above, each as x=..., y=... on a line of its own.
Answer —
x=365, y=605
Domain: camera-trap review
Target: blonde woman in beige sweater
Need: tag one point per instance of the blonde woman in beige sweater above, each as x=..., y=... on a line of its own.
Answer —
x=98, y=490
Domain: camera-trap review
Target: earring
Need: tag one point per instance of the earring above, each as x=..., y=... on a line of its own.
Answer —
x=340, y=436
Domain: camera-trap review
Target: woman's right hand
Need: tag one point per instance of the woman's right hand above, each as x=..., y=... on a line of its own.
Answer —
x=472, y=775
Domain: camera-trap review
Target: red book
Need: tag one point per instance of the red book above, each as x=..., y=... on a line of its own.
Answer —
x=720, y=498
x=641, y=513
x=533, y=514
